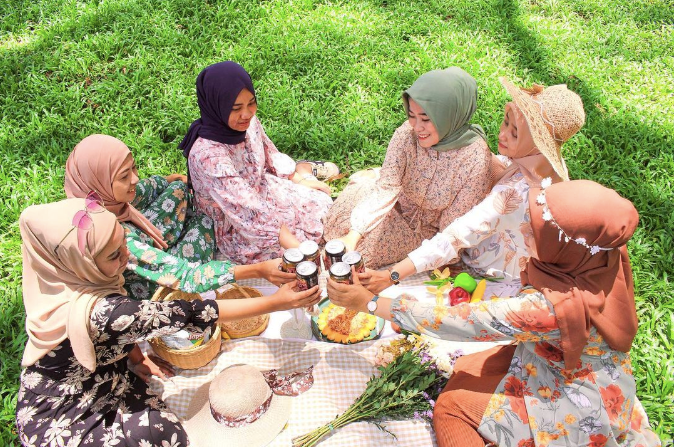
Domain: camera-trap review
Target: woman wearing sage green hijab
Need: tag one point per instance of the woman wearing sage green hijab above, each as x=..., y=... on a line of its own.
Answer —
x=436, y=169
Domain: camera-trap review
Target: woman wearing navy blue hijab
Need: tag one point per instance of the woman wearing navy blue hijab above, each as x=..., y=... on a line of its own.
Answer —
x=253, y=192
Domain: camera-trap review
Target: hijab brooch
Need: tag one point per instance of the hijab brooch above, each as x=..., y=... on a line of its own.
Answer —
x=547, y=216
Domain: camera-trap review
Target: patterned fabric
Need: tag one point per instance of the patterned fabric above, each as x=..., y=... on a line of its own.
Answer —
x=419, y=191
x=492, y=239
x=188, y=264
x=538, y=402
x=60, y=403
x=245, y=189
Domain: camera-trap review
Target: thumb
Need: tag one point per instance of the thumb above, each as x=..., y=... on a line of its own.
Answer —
x=354, y=276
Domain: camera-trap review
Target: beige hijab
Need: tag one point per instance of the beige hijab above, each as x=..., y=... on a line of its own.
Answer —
x=59, y=290
x=528, y=160
x=93, y=165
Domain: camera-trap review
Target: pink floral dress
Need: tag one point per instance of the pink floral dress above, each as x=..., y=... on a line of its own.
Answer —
x=539, y=402
x=245, y=189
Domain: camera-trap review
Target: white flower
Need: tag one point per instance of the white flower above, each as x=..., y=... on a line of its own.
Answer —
x=547, y=216
x=168, y=205
x=540, y=199
x=173, y=443
x=546, y=182
x=25, y=415
x=188, y=250
x=594, y=249
x=192, y=235
x=581, y=241
x=122, y=323
x=31, y=380
x=144, y=443
x=208, y=313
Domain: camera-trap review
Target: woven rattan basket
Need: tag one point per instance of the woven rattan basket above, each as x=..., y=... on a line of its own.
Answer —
x=191, y=358
x=247, y=327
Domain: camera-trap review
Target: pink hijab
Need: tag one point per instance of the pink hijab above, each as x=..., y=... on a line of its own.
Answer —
x=93, y=165
x=60, y=288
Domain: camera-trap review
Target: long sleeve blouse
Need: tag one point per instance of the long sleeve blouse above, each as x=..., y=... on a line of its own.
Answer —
x=431, y=188
x=492, y=239
x=539, y=402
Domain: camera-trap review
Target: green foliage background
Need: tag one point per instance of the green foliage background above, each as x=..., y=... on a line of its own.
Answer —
x=329, y=75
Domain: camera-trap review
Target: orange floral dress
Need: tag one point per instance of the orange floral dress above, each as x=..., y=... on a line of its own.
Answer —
x=538, y=402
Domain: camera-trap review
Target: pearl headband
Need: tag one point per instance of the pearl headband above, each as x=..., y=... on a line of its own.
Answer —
x=547, y=216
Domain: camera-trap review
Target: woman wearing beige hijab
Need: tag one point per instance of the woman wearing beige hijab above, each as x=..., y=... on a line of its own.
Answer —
x=76, y=387
x=493, y=238
x=167, y=247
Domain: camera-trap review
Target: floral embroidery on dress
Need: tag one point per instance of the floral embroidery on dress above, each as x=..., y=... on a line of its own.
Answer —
x=61, y=403
x=245, y=189
x=539, y=402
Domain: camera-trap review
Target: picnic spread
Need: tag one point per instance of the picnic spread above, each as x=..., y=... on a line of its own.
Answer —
x=340, y=371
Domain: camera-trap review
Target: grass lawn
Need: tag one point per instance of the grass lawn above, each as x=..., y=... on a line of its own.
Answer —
x=329, y=75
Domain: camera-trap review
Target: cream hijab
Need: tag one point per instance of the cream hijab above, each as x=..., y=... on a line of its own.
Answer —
x=528, y=160
x=59, y=290
x=93, y=165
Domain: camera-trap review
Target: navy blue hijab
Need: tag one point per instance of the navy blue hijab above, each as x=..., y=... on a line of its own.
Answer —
x=218, y=85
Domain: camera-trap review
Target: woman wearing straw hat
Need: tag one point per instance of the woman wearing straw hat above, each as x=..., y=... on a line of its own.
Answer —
x=566, y=378
x=436, y=169
x=153, y=211
x=493, y=238
x=76, y=388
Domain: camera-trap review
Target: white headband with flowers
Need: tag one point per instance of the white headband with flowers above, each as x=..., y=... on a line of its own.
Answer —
x=547, y=216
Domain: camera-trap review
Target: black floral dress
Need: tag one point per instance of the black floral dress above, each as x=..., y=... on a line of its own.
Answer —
x=62, y=404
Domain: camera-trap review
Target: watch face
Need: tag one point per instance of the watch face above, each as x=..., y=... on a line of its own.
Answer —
x=372, y=306
x=395, y=276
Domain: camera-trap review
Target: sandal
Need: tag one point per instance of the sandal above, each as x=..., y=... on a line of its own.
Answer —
x=322, y=169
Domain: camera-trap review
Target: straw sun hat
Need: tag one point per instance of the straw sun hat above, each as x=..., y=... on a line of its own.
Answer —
x=554, y=115
x=242, y=407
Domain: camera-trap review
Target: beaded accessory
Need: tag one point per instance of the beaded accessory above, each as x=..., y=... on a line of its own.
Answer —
x=547, y=216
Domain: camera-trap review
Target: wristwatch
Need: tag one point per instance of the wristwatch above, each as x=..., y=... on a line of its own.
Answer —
x=395, y=277
x=372, y=305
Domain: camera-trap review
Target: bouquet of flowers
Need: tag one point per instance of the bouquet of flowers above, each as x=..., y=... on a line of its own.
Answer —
x=410, y=380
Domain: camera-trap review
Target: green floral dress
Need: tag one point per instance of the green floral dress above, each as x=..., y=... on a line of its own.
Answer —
x=188, y=264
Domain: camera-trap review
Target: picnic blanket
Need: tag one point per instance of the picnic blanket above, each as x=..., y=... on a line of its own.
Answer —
x=340, y=373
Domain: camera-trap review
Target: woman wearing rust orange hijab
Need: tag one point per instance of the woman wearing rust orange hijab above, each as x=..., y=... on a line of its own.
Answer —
x=566, y=379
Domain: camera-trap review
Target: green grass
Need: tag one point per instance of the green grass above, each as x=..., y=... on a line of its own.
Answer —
x=329, y=75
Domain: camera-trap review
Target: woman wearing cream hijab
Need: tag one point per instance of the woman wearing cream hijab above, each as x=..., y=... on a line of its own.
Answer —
x=183, y=253
x=493, y=238
x=76, y=387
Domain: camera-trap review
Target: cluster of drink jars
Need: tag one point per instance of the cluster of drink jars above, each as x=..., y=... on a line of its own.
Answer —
x=305, y=261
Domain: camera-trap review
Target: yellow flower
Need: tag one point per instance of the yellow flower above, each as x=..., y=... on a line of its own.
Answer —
x=545, y=392
x=209, y=272
x=543, y=437
x=178, y=193
x=197, y=277
x=594, y=350
x=440, y=312
x=531, y=369
x=167, y=280
x=208, y=238
x=532, y=423
x=526, y=336
x=167, y=220
x=495, y=403
x=570, y=419
x=148, y=257
x=559, y=426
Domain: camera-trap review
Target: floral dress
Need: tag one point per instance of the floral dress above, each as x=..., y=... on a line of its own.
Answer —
x=245, y=189
x=418, y=192
x=62, y=404
x=492, y=239
x=538, y=402
x=188, y=263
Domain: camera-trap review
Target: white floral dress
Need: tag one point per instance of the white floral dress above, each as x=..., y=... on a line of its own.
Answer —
x=62, y=404
x=245, y=189
x=539, y=402
x=492, y=239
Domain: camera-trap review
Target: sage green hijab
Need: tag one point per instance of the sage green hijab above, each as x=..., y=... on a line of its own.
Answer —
x=449, y=98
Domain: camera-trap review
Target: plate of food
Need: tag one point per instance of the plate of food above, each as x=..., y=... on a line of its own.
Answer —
x=336, y=324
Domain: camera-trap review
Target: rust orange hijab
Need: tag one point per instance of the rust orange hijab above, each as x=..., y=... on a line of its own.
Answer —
x=92, y=165
x=585, y=289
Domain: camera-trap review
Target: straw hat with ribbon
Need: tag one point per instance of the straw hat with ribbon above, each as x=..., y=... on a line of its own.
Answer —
x=243, y=406
x=554, y=115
